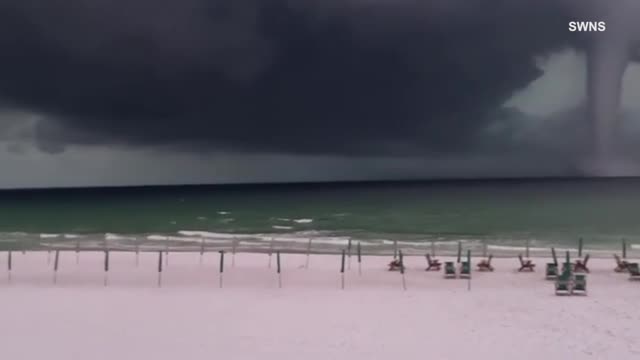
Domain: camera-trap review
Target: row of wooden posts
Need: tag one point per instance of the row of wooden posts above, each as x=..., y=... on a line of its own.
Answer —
x=346, y=254
x=56, y=262
x=164, y=255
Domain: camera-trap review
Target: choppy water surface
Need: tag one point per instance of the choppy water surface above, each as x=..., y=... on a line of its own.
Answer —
x=493, y=215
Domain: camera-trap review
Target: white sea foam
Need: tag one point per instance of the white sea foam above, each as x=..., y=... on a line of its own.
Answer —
x=328, y=240
x=173, y=238
x=210, y=235
x=224, y=212
x=115, y=237
x=428, y=242
x=71, y=236
x=508, y=248
x=49, y=236
x=331, y=241
x=635, y=246
x=202, y=218
x=282, y=227
x=17, y=233
x=406, y=243
x=283, y=219
x=303, y=221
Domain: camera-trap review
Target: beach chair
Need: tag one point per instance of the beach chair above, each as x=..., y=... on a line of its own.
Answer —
x=581, y=265
x=634, y=271
x=579, y=284
x=621, y=264
x=433, y=264
x=465, y=269
x=485, y=265
x=449, y=270
x=563, y=283
x=551, y=271
x=526, y=264
x=395, y=265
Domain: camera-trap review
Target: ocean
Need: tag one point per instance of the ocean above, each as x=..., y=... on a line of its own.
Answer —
x=495, y=216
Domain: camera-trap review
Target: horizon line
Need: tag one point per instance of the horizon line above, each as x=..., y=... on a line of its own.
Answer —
x=326, y=183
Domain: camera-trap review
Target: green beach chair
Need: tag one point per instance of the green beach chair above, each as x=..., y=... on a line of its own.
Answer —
x=563, y=283
x=579, y=284
x=465, y=269
x=552, y=271
x=449, y=270
x=634, y=271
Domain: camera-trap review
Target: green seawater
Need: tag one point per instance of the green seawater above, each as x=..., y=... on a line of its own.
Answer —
x=541, y=212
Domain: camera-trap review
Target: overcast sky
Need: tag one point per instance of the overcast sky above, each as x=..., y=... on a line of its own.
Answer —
x=250, y=94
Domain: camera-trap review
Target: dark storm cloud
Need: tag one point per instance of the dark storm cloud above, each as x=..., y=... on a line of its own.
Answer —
x=332, y=76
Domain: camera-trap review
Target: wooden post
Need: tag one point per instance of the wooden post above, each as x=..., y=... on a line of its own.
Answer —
x=359, y=260
x=233, y=252
x=553, y=254
x=55, y=267
x=404, y=283
x=106, y=267
x=624, y=248
x=137, y=253
x=349, y=253
x=469, y=261
x=160, y=268
x=459, y=251
x=279, y=273
x=270, y=252
x=221, y=270
x=395, y=249
x=9, y=265
x=342, y=269
x=201, y=250
x=580, y=247
x=306, y=264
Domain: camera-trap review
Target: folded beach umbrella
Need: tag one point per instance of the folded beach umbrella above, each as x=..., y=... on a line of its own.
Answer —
x=580, y=247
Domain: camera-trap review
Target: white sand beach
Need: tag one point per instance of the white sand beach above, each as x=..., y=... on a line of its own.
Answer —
x=505, y=315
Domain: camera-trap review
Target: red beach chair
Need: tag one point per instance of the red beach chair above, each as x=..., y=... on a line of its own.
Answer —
x=525, y=264
x=395, y=265
x=433, y=264
x=485, y=265
x=581, y=265
x=622, y=266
